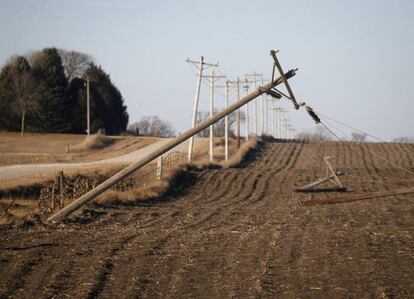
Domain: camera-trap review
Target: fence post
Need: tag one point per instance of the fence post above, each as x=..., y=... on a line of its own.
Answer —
x=61, y=189
x=159, y=168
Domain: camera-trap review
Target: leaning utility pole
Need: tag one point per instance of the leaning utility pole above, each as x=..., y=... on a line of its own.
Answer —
x=213, y=78
x=75, y=205
x=200, y=65
x=279, y=67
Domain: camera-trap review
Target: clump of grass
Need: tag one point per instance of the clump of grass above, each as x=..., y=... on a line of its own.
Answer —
x=172, y=183
x=93, y=142
x=243, y=154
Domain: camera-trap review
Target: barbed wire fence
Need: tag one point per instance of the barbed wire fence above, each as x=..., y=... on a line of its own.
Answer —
x=56, y=194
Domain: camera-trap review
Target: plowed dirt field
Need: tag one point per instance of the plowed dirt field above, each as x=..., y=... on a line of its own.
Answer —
x=233, y=233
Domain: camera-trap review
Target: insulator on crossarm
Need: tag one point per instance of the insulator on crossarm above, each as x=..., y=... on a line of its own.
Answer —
x=313, y=114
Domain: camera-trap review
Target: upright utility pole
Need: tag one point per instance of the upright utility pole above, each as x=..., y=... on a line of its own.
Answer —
x=290, y=131
x=211, y=115
x=237, y=85
x=264, y=106
x=226, y=122
x=281, y=122
x=88, y=109
x=213, y=78
x=285, y=124
x=246, y=111
x=200, y=65
x=275, y=120
x=266, y=117
x=255, y=80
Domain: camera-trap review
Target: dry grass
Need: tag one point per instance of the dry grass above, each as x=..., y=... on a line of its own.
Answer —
x=90, y=170
x=94, y=142
x=148, y=188
x=152, y=188
x=240, y=155
x=16, y=207
x=50, y=148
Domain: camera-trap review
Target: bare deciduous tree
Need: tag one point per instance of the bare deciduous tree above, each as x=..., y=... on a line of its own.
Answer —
x=320, y=133
x=219, y=126
x=152, y=126
x=403, y=140
x=358, y=137
x=23, y=87
x=75, y=63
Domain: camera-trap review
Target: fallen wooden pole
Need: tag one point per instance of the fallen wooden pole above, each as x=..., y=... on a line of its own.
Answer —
x=378, y=194
x=75, y=205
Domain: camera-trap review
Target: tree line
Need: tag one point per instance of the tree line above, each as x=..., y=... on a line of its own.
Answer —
x=44, y=91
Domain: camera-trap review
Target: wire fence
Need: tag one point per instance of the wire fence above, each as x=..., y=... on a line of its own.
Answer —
x=56, y=194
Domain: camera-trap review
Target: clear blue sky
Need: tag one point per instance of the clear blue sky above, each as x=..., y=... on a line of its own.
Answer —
x=355, y=58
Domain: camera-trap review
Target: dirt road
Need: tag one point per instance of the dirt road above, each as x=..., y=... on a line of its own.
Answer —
x=233, y=233
x=11, y=172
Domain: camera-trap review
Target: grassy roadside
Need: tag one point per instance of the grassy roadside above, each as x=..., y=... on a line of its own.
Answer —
x=51, y=148
x=32, y=200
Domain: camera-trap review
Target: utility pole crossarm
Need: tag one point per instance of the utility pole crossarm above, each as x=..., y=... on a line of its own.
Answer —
x=204, y=63
x=279, y=67
x=214, y=76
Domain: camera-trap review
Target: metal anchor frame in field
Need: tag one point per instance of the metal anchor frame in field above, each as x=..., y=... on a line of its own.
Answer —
x=331, y=176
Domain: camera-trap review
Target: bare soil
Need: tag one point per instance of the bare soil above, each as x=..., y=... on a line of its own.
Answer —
x=236, y=232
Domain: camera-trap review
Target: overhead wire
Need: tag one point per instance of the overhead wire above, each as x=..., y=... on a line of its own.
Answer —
x=350, y=127
x=379, y=156
x=346, y=135
x=363, y=146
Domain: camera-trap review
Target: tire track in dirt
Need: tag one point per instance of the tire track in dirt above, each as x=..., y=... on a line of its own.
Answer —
x=233, y=220
x=236, y=233
x=163, y=241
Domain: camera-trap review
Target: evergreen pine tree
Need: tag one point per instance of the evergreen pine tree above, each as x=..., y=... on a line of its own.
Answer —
x=108, y=104
x=54, y=110
x=8, y=121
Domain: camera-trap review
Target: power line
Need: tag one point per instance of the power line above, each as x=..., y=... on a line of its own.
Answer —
x=363, y=146
x=350, y=127
x=379, y=156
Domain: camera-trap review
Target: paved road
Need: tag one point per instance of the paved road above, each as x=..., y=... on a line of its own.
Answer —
x=11, y=172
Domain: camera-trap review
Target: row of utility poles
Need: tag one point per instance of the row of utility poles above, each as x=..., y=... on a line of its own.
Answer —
x=281, y=128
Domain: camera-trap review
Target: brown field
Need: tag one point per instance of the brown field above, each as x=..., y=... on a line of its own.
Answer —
x=232, y=232
x=48, y=148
